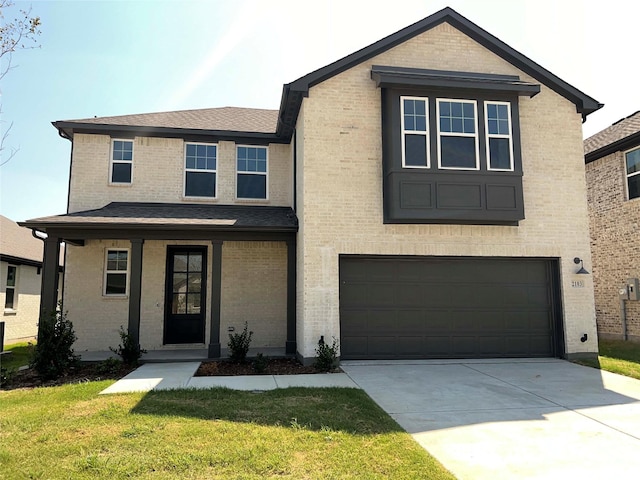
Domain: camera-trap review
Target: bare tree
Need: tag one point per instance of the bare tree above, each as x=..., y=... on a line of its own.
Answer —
x=20, y=33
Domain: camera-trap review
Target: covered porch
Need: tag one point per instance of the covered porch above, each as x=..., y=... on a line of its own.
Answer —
x=247, y=258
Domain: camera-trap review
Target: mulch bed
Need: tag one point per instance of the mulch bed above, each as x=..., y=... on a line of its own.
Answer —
x=275, y=366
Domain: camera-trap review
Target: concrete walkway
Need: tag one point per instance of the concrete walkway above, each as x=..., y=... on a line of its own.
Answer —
x=169, y=376
x=506, y=419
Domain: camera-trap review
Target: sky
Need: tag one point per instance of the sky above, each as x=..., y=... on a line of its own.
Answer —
x=103, y=58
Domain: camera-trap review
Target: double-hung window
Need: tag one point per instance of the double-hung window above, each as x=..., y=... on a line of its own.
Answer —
x=251, y=178
x=415, y=139
x=11, y=296
x=200, y=170
x=457, y=134
x=116, y=272
x=121, y=161
x=632, y=163
x=498, y=129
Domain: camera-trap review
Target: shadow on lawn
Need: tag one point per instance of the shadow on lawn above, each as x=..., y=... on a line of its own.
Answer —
x=338, y=409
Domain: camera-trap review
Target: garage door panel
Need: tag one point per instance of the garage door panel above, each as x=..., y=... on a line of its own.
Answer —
x=431, y=307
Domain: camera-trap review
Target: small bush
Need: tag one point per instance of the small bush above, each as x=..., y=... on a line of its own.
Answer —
x=6, y=376
x=128, y=350
x=261, y=363
x=239, y=345
x=110, y=366
x=53, y=355
x=326, y=355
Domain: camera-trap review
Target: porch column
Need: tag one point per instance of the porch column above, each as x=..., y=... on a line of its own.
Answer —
x=216, y=289
x=290, y=347
x=135, y=289
x=50, y=276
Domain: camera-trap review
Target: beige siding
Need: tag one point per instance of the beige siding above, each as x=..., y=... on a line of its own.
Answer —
x=253, y=290
x=615, y=223
x=340, y=182
x=158, y=174
x=21, y=322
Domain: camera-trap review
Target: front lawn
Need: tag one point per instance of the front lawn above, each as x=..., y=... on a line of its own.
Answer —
x=72, y=432
x=618, y=356
x=19, y=356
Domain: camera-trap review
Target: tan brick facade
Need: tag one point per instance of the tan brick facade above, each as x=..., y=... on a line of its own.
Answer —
x=158, y=174
x=615, y=244
x=253, y=290
x=340, y=188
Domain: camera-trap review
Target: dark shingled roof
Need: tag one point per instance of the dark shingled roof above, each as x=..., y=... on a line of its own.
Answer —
x=225, y=119
x=175, y=215
x=623, y=134
x=18, y=242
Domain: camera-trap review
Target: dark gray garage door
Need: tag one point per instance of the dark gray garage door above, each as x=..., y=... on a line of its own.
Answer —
x=437, y=307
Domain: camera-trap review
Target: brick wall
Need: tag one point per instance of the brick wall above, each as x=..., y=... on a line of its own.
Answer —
x=158, y=173
x=340, y=188
x=615, y=244
x=253, y=290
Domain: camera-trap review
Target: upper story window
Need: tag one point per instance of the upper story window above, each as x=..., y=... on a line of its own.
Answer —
x=121, y=161
x=251, y=178
x=457, y=135
x=415, y=140
x=116, y=271
x=200, y=170
x=498, y=130
x=11, y=295
x=632, y=160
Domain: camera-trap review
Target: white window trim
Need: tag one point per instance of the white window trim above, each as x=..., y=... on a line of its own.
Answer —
x=453, y=134
x=403, y=131
x=104, y=279
x=14, y=287
x=495, y=135
x=266, y=174
x=185, y=170
x=112, y=161
x=627, y=176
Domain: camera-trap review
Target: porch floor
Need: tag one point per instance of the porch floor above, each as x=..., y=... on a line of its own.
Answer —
x=180, y=355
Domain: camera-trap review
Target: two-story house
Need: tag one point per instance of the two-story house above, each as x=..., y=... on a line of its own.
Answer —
x=612, y=159
x=423, y=197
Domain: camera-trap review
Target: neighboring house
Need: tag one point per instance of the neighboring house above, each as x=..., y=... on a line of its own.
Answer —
x=612, y=159
x=20, y=280
x=423, y=197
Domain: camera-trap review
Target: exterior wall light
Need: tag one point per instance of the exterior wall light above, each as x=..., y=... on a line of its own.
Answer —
x=582, y=270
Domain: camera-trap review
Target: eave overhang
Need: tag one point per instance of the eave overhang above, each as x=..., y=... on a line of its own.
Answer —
x=625, y=143
x=390, y=77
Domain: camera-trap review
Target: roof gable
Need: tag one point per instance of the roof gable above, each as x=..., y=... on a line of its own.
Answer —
x=294, y=92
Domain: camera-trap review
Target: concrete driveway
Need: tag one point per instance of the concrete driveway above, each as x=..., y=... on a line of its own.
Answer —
x=510, y=419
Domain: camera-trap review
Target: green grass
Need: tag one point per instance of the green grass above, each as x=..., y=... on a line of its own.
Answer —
x=72, y=432
x=618, y=356
x=19, y=356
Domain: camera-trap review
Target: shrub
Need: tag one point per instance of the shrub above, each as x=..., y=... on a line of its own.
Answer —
x=261, y=363
x=326, y=355
x=110, y=366
x=239, y=345
x=129, y=350
x=53, y=355
x=6, y=376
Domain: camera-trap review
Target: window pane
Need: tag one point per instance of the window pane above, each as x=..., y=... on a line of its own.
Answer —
x=409, y=107
x=633, y=161
x=252, y=186
x=193, y=303
x=195, y=280
x=420, y=107
x=493, y=127
x=262, y=165
x=409, y=123
x=634, y=187
x=9, y=298
x=421, y=124
x=445, y=125
x=458, y=152
x=180, y=263
x=191, y=150
x=445, y=109
x=191, y=162
x=469, y=125
x=11, y=276
x=179, y=283
x=211, y=151
x=121, y=173
x=200, y=184
x=127, y=155
x=499, y=153
x=492, y=110
x=456, y=109
x=116, y=283
x=503, y=127
x=195, y=262
x=242, y=152
x=179, y=303
x=415, y=150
